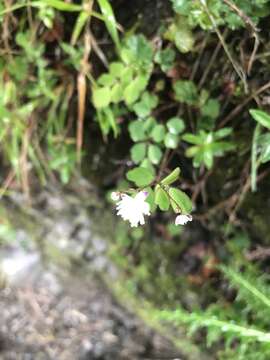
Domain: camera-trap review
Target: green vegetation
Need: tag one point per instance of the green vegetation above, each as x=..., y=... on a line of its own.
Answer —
x=187, y=110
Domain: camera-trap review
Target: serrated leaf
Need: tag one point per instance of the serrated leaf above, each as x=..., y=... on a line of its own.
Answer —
x=154, y=154
x=172, y=177
x=162, y=198
x=180, y=201
x=140, y=176
x=138, y=152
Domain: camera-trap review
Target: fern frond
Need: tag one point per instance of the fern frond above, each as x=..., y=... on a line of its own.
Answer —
x=222, y=327
x=253, y=290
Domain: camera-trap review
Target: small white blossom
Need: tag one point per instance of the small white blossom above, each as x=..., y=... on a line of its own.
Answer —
x=133, y=209
x=115, y=196
x=182, y=219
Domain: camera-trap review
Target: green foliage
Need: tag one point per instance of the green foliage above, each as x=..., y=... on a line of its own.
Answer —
x=165, y=58
x=206, y=146
x=260, y=151
x=241, y=339
x=195, y=13
x=186, y=91
x=140, y=176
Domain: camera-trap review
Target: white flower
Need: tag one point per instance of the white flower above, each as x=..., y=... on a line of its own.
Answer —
x=133, y=209
x=182, y=219
x=115, y=196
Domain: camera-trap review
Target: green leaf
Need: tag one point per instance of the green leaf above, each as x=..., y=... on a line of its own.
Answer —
x=208, y=158
x=211, y=109
x=261, y=117
x=175, y=125
x=254, y=150
x=186, y=91
x=136, y=130
x=101, y=97
x=180, y=201
x=184, y=40
x=192, y=139
x=110, y=21
x=62, y=5
x=158, y=133
x=148, y=165
x=116, y=68
x=149, y=124
x=106, y=80
x=162, y=198
x=171, y=141
x=154, y=154
x=151, y=198
x=165, y=58
x=147, y=103
x=134, y=89
x=107, y=121
x=137, y=49
x=140, y=176
x=116, y=93
x=264, y=144
x=138, y=152
x=80, y=22
x=172, y=177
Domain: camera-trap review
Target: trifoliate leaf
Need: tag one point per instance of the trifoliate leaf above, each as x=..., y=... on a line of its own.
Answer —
x=180, y=202
x=162, y=198
x=172, y=177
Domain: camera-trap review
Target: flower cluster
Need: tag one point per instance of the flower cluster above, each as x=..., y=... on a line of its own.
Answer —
x=133, y=209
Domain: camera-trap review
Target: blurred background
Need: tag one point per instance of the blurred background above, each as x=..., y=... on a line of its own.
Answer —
x=101, y=97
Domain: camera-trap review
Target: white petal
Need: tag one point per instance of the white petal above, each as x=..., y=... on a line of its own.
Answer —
x=115, y=196
x=182, y=219
x=133, y=209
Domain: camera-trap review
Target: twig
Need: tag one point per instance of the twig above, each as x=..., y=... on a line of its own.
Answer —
x=252, y=27
x=239, y=108
x=197, y=62
x=211, y=61
x=81, y=87
x=238, y=69
x=242, y=15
